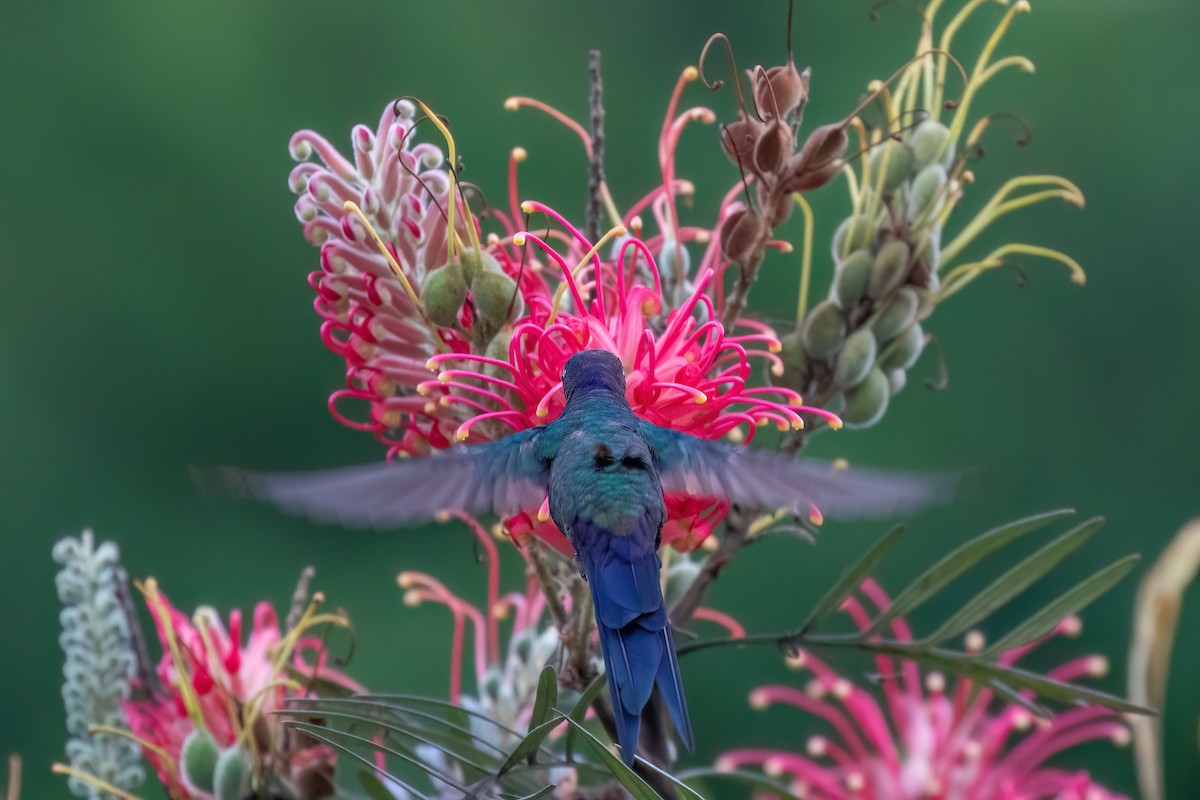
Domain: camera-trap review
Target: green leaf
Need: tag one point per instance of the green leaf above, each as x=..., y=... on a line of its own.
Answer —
x=851, y=578
x=314, y=732
x=580, y=711
x=546, y=700
x=1016, y=580
x=685, y=791
x=755, y=780
x=373, y=786
x=959, y=561
x=1071, y=601
x=633, y=783
x=528, y=747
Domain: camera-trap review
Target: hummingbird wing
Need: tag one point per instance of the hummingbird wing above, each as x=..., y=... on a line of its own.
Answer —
x=507, y=476
x=690, y=465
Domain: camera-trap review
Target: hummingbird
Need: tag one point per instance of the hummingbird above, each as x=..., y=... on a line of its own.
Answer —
x=604, y=472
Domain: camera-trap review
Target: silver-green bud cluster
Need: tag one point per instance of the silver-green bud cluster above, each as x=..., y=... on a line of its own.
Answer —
x=868, y=332
x=497, y=298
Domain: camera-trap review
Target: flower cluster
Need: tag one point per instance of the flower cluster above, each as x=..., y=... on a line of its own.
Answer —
x=928, y=738
x=407, y=285
x=891, y=268
x=205, y=722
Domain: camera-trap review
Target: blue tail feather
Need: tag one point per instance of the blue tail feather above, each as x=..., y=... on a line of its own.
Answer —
x=635, y=633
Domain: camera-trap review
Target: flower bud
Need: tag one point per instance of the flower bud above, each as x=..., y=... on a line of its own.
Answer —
x=443, y=293
x=858, y=228
x=773, y=148
x=856, y=359
x=927, y=298
x=741, y=233
x=231, y=779
x=667, y=263
x=680, y=576
x=474, y=261
x=928, y=141
x=867, y=401
x=903, y=351
x=824, y=330
x=889, y=269
x=796, y=374
x=818, y=160
x=496, y=298
x=898, y=312
x=926, y=197
x=899, y=164
x=198, y=759
x=779, y=90
x=897, y=380
x=850, y=280
x=738, y=140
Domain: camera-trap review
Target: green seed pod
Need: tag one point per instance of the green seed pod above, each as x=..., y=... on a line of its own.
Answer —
x=903, y=351
x=850, y=280
x=928, y=141
x=231, y=780
x=899, y=164
x=926, y=196
x=668, y=255
x=198, y=759
x=680, y=576
x=889, y=269
x=856, y=359
x=824, y=330
x=897, y=313
x=861, y=237
x=866, y=402
x=496, y=298
x=443, y=293
x=796, y=373
x=927, y=297
x=474, y=262
x=897, y=380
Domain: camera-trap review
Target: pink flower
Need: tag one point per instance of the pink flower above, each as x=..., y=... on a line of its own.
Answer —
x=684, y=368
x=209, y=678
x=927, y=739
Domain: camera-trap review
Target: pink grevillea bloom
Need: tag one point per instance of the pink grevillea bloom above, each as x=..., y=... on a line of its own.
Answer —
x=928, y=739
x=209, y=677
x=506, y=674
x=684, y=368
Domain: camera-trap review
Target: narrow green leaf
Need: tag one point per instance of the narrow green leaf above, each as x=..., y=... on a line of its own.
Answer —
x=373, y=786
x=1016, y=580
x=850, y=579
x=685, y=791
x=580, y=711
x=633, y=783
x=982, y=670
x=528, y=747
x=546, y=699
x=1071, y=601
x=314, y=732
x=755, y=780
x=959, y=561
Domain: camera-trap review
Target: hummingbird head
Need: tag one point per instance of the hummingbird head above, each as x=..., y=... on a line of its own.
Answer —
x=593, y=369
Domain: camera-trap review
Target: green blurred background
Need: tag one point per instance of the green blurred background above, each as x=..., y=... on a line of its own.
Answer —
x=158, y=315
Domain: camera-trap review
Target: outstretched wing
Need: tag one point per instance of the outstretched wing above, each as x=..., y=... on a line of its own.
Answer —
x=506, y=476
x=690, y=465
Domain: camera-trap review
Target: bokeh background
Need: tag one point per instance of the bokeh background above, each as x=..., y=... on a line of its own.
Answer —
x=157, y=315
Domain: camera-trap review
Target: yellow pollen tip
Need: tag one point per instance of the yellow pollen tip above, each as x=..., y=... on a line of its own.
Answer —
x=835, y=424
x=542, y=516
x=527, y=207
x=687, y=188
x=1022, y=7
x=709, y=544
x=797, y=424
x=512, y=104
x=774, y=347
x=500, y=611
x=519, y=240
x=349, y=205
x=855, y=782
x=431, y=365
x=758, y=700
x=703, y=237
x=405, y=580
x=776, y=370
x=636, y=222
x=816, y=519
x=725, y=765
x=816, y=746
x=795, y=662
x=318, y=598
x=444, y=378
x=441, y=517
x=841, y=463
x=1098, y=666
x=463, y=432
x=701, y=398
x=786, y=247
x=780, y=426
x=431, y=407
x=773, y=767
x=542, y=412
x=519, y=154
x=690, y=73
x=412, y=599
x=493, y=239
x=974, y=642
x=1120, y=737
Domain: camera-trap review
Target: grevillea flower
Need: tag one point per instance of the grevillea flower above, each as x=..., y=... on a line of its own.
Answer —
x=506, y=675
x=928, y=739
x=685, y=368
x=209, y=680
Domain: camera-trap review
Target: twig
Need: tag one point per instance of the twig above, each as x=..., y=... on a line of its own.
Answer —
x=299, y=598
x=737, y=531
x=596, y=163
